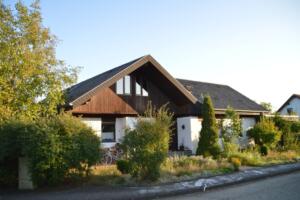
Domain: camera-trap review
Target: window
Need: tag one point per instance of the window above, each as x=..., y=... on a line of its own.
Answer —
x=119, y=87
x=127, y=85
x=123, y=86
x=108, y=130
x=290, y=111
x=138, y=89
x=144, y=91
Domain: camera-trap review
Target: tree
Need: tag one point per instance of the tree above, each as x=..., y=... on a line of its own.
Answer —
x=31, y=77
x=208, y=141
x=267, y=106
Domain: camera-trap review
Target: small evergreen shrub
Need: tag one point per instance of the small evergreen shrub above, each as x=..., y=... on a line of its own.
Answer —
x=146, y=147
x=208, y=141
x=123, y=166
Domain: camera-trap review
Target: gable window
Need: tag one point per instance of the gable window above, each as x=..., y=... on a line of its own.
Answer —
x=108, y=130
x=290, y=111
x=119, y=86
x=141, y=88
x=127, y=88
x=123, y=86
x=144, y=90
x=138, y=89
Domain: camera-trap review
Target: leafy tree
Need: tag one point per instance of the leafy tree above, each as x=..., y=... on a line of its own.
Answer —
x=267, y=106
x=265, y=134
x=147, y=145
x=208, y=141
x=29, y=69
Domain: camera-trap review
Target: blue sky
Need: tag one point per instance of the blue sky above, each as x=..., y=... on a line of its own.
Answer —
x=253, y=46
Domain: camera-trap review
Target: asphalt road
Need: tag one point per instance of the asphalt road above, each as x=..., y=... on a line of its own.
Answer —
x=284, y=187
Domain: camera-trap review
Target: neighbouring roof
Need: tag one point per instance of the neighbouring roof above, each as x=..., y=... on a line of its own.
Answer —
x=222, y=96
x=287, y=101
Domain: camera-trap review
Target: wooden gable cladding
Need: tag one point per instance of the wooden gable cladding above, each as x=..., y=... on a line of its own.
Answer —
x=105, y=101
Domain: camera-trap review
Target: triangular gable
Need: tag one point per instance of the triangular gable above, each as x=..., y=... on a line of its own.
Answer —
x=112, y=76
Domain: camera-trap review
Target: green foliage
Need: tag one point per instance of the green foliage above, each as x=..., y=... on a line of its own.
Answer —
x=123, y=166
x=208, y=140
x=147, y=145
x=236, y=162
x=265, y=133
x=29, y=69
x=57, y=148
x=263, y=150
x=233, y=129
x=290, y=133
x=267, y=106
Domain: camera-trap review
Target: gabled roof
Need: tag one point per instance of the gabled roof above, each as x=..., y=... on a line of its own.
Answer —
x=287, y=101
x=84, y=90
x=222, y=96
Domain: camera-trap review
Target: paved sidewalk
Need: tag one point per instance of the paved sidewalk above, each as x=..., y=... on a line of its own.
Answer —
x=202, y=184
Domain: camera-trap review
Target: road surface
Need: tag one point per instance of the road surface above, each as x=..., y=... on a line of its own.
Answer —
x=284, y=187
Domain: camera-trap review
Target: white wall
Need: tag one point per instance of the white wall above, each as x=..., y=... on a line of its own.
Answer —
x=247, y=123
x=120, y=126
x=188, y=129
x=295, y=104
x=189, y=135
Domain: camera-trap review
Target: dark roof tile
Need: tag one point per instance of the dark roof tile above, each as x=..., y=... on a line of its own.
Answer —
x=222, y=95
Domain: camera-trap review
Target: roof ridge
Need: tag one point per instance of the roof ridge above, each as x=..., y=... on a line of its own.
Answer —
x=202, y=82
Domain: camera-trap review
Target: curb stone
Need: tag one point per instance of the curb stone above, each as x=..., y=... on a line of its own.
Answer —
x=151, y=192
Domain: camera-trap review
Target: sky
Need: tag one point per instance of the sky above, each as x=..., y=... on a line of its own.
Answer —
x=250, y=45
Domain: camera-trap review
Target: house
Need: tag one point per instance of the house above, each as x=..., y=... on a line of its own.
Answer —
x=291, y=106
x=111, y=101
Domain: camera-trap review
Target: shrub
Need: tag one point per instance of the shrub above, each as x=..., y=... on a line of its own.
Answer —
x=123, y=166
x=265, y=133
x=56, y=147
x=236, y=162
x=147, y=146
x=233, y=129
x=208, y=140
x=264, y=150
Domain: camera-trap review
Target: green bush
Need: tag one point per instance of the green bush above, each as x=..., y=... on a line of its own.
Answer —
x=208, y=141
x=57, y=148
x=147, y=146
x=263, y=150
x=123, y=166
x=265, y=133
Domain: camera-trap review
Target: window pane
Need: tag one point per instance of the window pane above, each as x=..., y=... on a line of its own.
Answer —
x=108, y=132
x=145, y=93
x=127, y=85
x=119, y=87
x=138, y=89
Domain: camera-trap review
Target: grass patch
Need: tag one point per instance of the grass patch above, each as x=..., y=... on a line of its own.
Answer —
x=253, y=158
x=184, y=168
x=177, y=168
x=106, y=175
